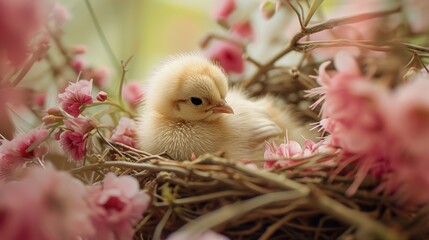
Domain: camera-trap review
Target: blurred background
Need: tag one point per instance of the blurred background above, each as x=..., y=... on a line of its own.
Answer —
x=148, y=30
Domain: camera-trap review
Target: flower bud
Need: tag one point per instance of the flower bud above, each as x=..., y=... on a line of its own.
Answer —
x=77, y=64
x=102, y=96
x=79, y=49
x=52, y=119
x=268, y=8
x=54, y=111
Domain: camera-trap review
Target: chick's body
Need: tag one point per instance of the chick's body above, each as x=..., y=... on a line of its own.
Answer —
x=188, y=109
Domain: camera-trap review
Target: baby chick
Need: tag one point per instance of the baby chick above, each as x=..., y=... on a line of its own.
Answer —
x=188, y=109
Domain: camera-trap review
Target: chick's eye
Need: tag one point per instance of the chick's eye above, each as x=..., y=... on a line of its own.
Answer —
x=196, y=101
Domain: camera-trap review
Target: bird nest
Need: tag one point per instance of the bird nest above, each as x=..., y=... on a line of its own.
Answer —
x=305, y=200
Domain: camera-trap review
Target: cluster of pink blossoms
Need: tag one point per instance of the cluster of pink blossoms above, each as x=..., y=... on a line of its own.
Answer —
x=74, y=99
x=228, y=53
x=48, y=204
x=387, y=130
x=278, y=156
x=125, y=132
x=25, y=147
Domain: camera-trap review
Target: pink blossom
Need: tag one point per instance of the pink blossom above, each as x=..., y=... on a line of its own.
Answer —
x=83, y=125
x=20, y=21
x=77, y=64
x=118, y=204
x=133, y=93
x=39, y=99
x=73, y=141
x=408, y=122
x=60, y=15
x=75, y=96
x=99, y=75
x=224, y=9
x=15, y=153
x=353, y=106
x=125, y=132
x=208, y=235
x=410, y=117
x=227, y=55
x=277, y=156
x=79, y=49
x=243, y=30
x=45, y=205
x=411, y=181
x=355, y=113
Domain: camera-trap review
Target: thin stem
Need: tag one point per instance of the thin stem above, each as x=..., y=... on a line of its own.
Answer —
x=111, y=103
x=205, y=42
x=121, y=83
x=27, y=66
x=299, y=16
x=102, y=36
x=158, y=230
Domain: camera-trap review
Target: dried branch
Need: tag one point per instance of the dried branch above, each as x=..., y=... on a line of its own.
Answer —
x=329, y=24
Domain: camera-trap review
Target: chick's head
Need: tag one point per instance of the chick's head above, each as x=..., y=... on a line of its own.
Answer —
x=189, y=88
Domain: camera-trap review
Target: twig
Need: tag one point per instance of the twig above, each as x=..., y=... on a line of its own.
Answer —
x=121, y=83
x=158, y=230
x=329, y=24
x=205, y=197
x=123, y=164
x=111, y=103
x=232, y=211
x=353, y=217
x=30, y=62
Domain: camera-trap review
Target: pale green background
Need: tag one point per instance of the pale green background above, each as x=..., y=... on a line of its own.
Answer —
x=150, y=30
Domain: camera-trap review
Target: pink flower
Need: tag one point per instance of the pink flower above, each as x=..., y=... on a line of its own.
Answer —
x=77, y=64
x=45, y=205
x=99, y=75
x=410, y=117
x=355, y=113
x=118, y=204
x=83, y=125
x=125, y=132
x=15, y=153
x=75, y=96
x=20, y=22
x=228, y=55
x=276, y=156
x=73, y=141
x=133, y=93
x=243, y=30
x=208, y=235
x=353, y=107
x=60, y=15
x=225, y=8
x=39, y=99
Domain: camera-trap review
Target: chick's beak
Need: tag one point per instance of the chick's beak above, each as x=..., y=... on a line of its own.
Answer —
x=222, y=107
